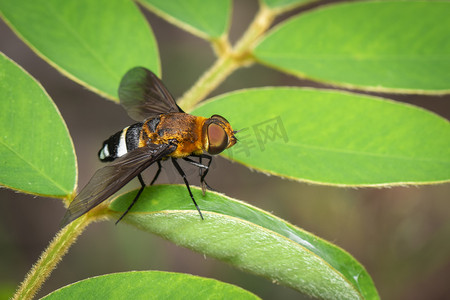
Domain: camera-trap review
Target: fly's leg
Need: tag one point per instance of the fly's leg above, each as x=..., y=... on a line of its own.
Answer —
x=204, y=172
x=199, y=165
x=140, y=190
x=157, y=173
x=180, y=171
x=137, y=195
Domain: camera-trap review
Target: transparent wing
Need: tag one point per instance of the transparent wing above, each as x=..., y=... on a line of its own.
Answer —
x=143, y=95
x=108, y=180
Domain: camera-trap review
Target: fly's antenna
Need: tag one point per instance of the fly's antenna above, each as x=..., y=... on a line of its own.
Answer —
x=236, y=131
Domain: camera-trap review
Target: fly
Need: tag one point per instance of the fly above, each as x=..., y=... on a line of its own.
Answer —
x=167, y=132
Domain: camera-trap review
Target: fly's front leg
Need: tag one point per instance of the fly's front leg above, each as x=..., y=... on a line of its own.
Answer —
x=203, y=169
x=180, y=171
x=203, y=173
x=199, y=165
x=200, y=173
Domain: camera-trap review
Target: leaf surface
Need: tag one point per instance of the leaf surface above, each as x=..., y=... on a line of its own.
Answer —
x=207, y=19
x=391, y=46
x=150, y=285
x=333, y=137
x=249, y=239
x=36, y=151
x=284, y=5
x=92, y=42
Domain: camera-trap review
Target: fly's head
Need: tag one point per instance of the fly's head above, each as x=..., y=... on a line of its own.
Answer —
x=217, y=135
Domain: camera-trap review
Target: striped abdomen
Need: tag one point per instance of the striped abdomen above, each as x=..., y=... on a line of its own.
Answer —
x=180, y=128
x=120, y=143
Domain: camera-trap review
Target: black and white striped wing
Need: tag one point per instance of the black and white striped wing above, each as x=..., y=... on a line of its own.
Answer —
x=143, y=95
x=108, y=180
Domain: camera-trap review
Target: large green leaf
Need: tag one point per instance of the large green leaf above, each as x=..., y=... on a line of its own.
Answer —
x=249, y=239
x=36, y=152
x=396, y=46
x=334, y=137
x=207, y=19
x=150, y=285
x=93, y=42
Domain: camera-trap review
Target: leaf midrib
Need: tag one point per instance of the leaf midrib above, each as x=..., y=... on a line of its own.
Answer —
x=362, y=153
x=34, y=167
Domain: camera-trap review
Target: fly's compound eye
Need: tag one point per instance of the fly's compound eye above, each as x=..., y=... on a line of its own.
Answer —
x=220, y=118
x=218, y=139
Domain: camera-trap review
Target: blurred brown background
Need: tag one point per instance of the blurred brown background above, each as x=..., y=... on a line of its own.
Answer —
x=401, y=235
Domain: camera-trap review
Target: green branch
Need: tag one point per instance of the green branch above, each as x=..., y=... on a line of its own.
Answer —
x=229, y=59
x=50, y=258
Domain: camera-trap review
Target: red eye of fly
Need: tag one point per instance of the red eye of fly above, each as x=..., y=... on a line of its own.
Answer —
x=218, y=139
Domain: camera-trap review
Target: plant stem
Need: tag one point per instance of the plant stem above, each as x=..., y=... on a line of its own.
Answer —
x=218, y=72
x=262, y=21
x=42, y=269
x=229, y=59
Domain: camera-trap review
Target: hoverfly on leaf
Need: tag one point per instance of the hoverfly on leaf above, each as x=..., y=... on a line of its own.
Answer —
x=166, y=132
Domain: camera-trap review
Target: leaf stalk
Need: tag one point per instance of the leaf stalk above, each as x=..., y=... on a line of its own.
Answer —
x=42, y=269
x=229, y=59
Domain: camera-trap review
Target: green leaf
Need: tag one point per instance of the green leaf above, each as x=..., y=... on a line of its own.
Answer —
x=92, y=42
x=150, y=285
x=36, y=152
x=250, y=239
x=284, y=5
x=333, y=137
x=392, y=46
x=206, y=19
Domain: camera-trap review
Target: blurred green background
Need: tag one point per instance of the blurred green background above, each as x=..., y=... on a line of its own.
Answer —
x=401, y=235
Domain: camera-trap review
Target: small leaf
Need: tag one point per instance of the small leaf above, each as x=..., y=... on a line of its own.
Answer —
x=92, y=42
x=249, y=239
x=150, y=285
x=36, y=152
x=333, y=137
x=284, y=5
x=206, y=19
x=392, y=46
